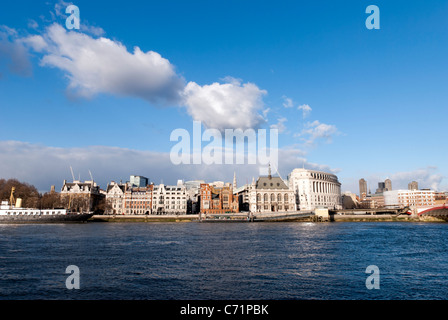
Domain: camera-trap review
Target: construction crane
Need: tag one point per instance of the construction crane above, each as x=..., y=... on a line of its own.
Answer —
x=11, y=198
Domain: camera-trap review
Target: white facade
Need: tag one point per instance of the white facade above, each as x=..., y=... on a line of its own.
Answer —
x=410, y=198
x=114, y=197
x=169, y=199
x=270, y=194
x=315, y=189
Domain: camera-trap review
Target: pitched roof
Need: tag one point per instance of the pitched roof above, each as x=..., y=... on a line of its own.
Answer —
x=270, y=182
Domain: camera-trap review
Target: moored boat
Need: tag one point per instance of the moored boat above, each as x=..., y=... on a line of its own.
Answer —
x=16, y=214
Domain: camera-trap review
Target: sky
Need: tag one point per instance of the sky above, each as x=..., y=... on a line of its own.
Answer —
x=105, y=98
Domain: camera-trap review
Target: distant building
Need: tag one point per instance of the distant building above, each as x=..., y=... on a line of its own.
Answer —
x=193, y=200
x=138, y=181
x=271, y=194
x=362, y=188
x=413, y=185
x=114, y=198
x=151, y=199
x=218, y=199
x=410, y=198
x=384, y=186
x=242, y=194
x=169, y=199
x=138, y=200
x=387, y=185
x=381, y=187
x=315, y=189
x=441, y=199
x=350, y=201
x=81, y=196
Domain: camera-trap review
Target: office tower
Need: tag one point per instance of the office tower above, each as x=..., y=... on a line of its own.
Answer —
x=362, y=187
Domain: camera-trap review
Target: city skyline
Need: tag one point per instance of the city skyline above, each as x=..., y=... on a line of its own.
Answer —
x=346, y=100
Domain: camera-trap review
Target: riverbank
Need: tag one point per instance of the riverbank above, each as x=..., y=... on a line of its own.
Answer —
x=145, y=218
x=332, y=218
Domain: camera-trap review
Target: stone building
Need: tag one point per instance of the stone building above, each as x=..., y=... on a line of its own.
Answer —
x=413, y=185
x=81, y=196
x=315, y=189
x=138, y=200
x=114, y=198
x=362, y=188
x=270, y=194
x=410, y=198
x=169, y=199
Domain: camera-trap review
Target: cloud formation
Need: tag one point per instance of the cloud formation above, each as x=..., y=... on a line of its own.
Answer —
x=226, y=105
x=316, y=130
x=306, y=110
x=100, y=65
x=280, y=125
x=426, y=177
x=44, y=166
x=287, y=102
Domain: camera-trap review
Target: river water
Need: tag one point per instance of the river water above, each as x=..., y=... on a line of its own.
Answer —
x=198, y=261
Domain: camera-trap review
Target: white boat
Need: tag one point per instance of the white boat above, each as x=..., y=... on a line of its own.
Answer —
x=16, y=214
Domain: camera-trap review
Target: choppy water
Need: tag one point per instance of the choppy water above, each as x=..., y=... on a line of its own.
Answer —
x=224, y=261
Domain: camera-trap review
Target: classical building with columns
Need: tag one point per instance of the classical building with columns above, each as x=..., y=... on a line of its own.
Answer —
x=315, y=189
x=269, y=194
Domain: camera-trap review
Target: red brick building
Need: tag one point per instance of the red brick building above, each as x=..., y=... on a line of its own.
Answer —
x=218, y=200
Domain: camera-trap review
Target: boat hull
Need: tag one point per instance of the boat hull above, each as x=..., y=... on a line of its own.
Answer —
x=82, y=217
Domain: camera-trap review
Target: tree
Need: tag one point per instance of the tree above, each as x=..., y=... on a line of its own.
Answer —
x=28, y=193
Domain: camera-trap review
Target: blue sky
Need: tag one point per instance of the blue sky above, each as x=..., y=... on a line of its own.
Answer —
x=378, y=98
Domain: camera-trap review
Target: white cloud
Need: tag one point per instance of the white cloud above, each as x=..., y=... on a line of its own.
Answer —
x=316, y=130
x=280, y=126
x=287, y=102
x=306, y=109
x=426, y=177
x=101, y=65
x=32, y=24
x=44, y=166
x=225, y=106
x=95, y=31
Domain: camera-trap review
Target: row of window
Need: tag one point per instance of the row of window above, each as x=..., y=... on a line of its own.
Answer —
x=321, y=176
x=179, y=209
x=32, y=213
x=273, y=197
x=269, y=208
x=155, y=198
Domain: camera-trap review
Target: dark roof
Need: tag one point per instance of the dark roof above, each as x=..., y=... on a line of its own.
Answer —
x=270, y=182
x=110, y=186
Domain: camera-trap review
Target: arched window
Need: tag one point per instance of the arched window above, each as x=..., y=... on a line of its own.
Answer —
x=272, y=197
x=279, y=197
x=286, y=198
x=258, y=197
x=265, y=197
